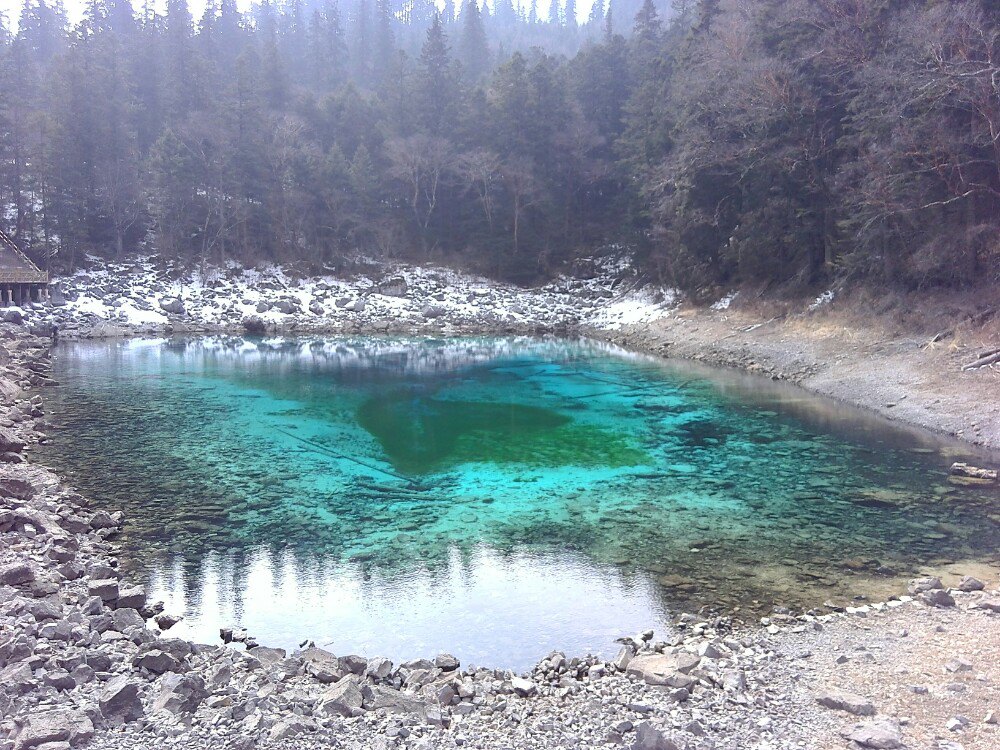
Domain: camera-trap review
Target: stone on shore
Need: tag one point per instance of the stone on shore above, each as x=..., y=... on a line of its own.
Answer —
x=664, y=669
x=842, y=700
x=343, y=699
x=120, y=702
x=73, y=727
x=648, y=737
x=180, y=693
x=881, y=734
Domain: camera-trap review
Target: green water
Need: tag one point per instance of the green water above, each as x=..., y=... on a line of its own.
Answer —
x=493, y=497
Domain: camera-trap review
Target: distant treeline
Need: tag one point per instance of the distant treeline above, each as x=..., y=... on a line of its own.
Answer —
x=783, y=141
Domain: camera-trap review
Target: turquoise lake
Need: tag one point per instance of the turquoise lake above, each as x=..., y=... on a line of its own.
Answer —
x=497, y=498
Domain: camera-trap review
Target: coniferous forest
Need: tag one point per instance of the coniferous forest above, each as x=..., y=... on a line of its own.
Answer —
x=728, y=141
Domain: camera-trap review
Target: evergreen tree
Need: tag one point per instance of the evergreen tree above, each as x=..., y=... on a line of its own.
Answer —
x=437, y=89
x=473, y=47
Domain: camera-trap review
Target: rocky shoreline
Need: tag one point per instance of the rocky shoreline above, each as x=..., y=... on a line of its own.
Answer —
x=86, y=660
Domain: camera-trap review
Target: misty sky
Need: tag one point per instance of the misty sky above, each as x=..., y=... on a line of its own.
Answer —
x=12, y=8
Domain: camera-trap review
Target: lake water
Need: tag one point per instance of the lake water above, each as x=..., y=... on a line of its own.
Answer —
x=493, y=497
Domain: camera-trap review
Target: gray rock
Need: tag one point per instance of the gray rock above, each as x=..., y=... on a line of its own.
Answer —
x=119, y=701
x=968, y=583
x=267, y=656
x=395, y=701
x=17, y=574
x=353, y=664
x=287, y=306
x=157, y=661
x=172, y=305
x=446, y=662
x=133, y=597
x=9, y=442
x=105, y=588
x=393, y=287
x=103, y=520
x=321, y=664
x=920, y=585
x=648, y=737
x=842, y=700
x=180, y=693
x=882, y=734
x=73, y=727
x=378, y=667
x=937, y=598
x=433, y=311
x=343, y=699
x=289, y=727
x=522, y=687
x=166, y=621
x=60, y=679
x=664, y=669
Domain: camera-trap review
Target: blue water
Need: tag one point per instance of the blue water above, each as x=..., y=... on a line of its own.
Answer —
x=497, y=498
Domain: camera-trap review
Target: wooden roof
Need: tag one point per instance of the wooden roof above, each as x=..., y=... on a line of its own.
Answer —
x=16, y=267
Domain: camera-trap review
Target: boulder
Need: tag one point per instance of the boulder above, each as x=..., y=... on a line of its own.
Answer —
x=17, y=574
x=842, y=700
x=433, y=311
x=394, y=701
x=287, y=306
x=166, y=621
x=968, y=583
x=289, y=727
x=172, y=305
x=105, y=588
x=180, y=693
x=267, y=656
x=74, y=727
x=522, y=687
x=393, y=287
x=378, y=667
x=22, y=489
x=321, y=664
x=881, y=734
x=119, y=702
x=158, y=661
x=353, y=664
x=648, y=737
x=446, y=662
x=133, y=597
x=343, y=699
x=664, y=669
x=920, y=585
x=937, y=598
x=9, y=442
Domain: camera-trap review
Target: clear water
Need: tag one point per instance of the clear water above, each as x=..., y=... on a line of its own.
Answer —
x=496, y=498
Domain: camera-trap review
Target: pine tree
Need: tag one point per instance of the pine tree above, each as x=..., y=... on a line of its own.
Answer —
x=569, y=15
x=437, y=92
x=473, y=48
x=555, y=16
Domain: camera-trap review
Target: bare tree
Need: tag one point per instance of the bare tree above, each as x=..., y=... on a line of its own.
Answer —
x=481, y=171
x=519, y=179
x=420, y=162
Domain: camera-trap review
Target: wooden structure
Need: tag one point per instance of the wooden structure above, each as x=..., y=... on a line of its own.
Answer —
x=20, y=280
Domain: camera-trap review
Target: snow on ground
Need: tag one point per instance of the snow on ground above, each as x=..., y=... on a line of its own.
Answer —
x=141, y=297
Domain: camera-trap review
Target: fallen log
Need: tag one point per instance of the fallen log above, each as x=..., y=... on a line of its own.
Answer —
x=987, y=359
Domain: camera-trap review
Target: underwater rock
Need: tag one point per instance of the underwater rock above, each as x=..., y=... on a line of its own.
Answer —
x=959, y=469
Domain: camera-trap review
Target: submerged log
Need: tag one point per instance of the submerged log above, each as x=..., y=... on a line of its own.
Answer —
x=973, y=472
